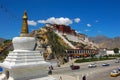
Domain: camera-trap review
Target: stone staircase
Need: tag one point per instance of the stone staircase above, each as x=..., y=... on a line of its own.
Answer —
x=65, y=40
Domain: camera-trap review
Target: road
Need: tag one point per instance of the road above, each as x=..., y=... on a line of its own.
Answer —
x=98, y=73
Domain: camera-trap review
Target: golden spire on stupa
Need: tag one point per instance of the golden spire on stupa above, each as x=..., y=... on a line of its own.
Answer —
x=24, y=31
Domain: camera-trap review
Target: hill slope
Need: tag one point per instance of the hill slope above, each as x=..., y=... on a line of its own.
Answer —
x=2, y=40
x=55, y=42
x=106, y=42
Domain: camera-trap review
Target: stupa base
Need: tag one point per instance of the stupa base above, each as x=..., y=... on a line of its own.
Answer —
x=24, y=65
x=24, y=73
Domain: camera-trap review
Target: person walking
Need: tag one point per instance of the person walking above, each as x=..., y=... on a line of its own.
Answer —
x=60, y=78
x=84, y=77
x=50, y=72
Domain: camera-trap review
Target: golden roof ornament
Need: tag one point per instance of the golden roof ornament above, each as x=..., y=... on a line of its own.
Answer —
x=24, y=31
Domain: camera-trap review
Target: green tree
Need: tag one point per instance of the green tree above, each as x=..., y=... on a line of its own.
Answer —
x=116, y=50
x=57, y=48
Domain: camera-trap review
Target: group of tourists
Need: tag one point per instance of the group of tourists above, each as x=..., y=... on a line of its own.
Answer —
x=51, y=68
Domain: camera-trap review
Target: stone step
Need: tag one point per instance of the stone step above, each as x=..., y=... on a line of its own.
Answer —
x=23, y=60
x=24, y=53
x=23, y=57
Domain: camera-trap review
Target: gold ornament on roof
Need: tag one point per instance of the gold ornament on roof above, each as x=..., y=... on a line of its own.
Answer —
x=24, y=31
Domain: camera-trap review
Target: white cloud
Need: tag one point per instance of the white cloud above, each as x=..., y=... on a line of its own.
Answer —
x=78, y=31
x=86, y=30
x=32, y=23
x=41, y=21
x=77, y=20
x=96, y=21
x=99, y=31
x=89, y=25
x=53, y=20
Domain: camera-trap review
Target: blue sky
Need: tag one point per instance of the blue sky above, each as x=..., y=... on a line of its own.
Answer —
x=90, y=17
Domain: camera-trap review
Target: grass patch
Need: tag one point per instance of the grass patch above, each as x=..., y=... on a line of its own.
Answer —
x=92, y=59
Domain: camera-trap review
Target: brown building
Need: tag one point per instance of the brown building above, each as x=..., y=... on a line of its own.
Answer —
x=81, y=52
x=64, y=29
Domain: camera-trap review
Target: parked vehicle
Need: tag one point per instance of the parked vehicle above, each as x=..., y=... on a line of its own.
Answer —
x=117, y=61
x=114, y=73
x=1, y=69
x=105, y=64
x=74, y=67
x=119, y=69
x=92, y=65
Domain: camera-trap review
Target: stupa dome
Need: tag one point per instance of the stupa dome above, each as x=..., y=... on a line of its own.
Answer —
x=23, y=43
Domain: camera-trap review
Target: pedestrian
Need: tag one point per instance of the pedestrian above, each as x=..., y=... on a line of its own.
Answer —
x=50, y=72
x=84, y=77
x=51, y=67
x=58, y=63
x=60, y=78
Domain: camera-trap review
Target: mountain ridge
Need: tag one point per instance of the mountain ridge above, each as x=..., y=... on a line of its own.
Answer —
x=106, y=42
x=2, y=40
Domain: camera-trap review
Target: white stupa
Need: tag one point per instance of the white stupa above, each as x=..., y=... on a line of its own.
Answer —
x=24, y=63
